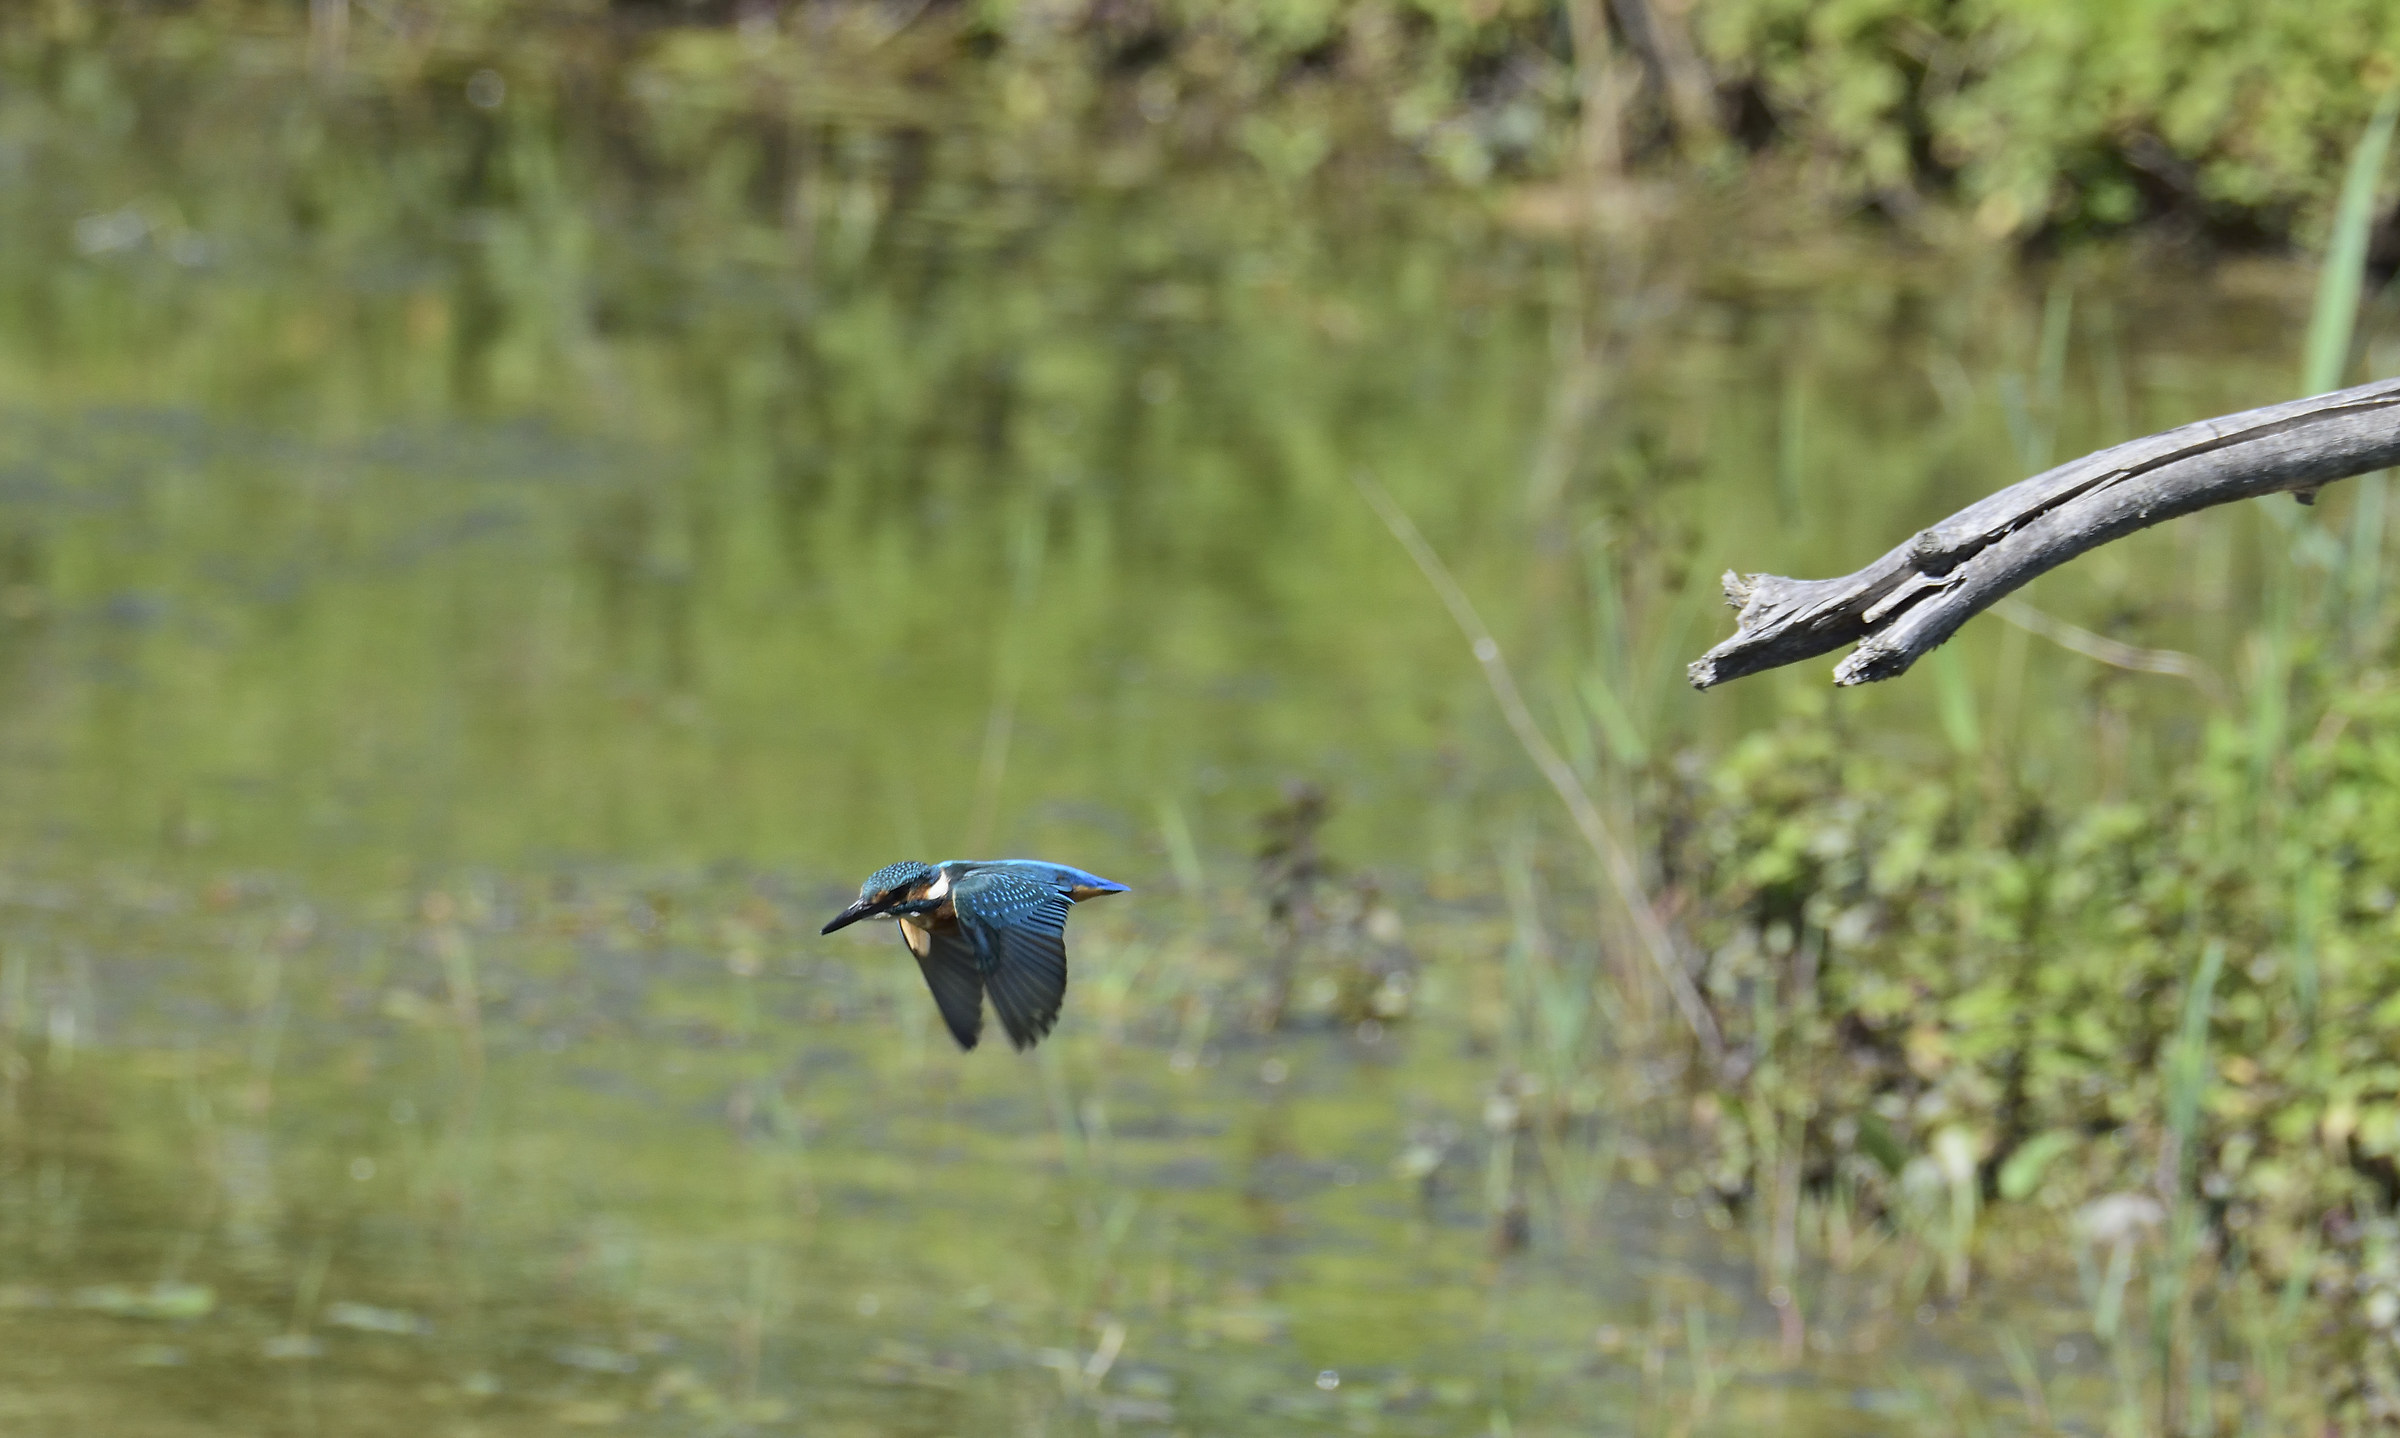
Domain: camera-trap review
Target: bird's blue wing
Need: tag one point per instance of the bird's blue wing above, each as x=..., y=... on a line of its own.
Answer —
x=947, y=959
x=1018, y=929
x=1076, y=884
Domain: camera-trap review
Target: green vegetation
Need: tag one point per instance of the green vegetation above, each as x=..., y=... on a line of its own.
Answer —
x=2169, y=1011
x=1910, y=959
x=500, y=518
x=2025, y=117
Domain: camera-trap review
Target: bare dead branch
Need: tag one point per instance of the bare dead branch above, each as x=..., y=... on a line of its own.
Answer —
x=1902, y=606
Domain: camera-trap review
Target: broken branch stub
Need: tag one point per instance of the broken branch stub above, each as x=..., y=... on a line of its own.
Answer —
x=1902, y=606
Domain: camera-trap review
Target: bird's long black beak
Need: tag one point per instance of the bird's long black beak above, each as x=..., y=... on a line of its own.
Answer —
x=863, y=909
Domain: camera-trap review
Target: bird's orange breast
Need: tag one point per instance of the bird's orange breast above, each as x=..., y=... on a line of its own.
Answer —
x=917, y=930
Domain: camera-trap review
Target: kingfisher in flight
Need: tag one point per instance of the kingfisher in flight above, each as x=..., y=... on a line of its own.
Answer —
x=978, y=926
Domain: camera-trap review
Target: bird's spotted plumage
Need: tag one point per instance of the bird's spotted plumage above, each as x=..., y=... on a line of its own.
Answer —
x=1018, y=928
x=892, y=878
x=984, y=926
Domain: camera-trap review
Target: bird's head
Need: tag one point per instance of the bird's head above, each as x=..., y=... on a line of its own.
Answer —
x=889, y=885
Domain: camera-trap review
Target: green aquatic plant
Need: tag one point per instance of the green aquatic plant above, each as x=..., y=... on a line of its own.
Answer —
x=2332, y=326
x=2332, y=318
x=2024, y=988
x=738, y=448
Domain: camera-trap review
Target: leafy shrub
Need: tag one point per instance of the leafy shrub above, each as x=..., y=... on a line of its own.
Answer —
x=1898, y=952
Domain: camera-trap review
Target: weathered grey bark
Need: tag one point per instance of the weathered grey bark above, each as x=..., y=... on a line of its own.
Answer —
x=1906, y=603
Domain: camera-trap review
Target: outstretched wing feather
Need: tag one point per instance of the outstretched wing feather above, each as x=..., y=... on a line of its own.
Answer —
x=947, y=959
x=1019, y=931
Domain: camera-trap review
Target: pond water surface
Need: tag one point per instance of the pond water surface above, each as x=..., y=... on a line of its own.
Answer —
x=470, y=605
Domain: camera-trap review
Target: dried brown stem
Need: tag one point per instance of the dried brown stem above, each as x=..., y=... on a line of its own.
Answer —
x=1614, y=858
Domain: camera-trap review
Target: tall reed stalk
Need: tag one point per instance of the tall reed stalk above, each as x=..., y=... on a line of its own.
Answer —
x=1609, y=850
x=2334, y=318
x=2332, y=326
x=2175, y=1333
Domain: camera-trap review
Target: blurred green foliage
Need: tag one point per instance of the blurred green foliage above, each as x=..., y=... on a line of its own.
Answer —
x=2028, y=989
x=2027, y=115
x=789, y=437
x=2039, y=113
x=1907, y=949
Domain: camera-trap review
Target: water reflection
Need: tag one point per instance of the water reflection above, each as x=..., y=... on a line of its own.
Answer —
x=468, y=576
x=640, y=1178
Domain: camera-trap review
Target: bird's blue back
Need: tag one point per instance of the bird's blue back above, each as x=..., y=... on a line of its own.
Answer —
x=1065, y=877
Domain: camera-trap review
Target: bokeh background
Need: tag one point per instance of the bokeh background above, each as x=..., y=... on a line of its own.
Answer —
x=508, y=510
